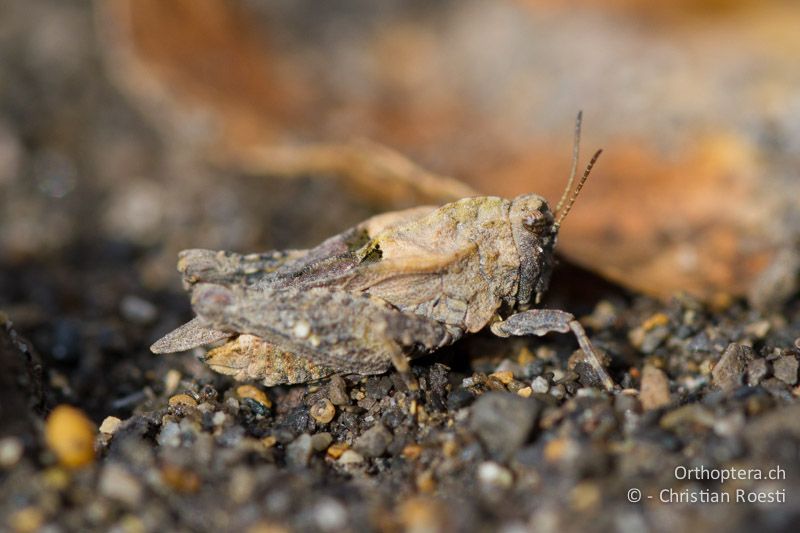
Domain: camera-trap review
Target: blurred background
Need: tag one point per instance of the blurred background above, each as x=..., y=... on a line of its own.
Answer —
x=162, y=125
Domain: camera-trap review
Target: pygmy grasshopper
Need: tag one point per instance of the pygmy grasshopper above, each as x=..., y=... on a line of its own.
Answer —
x=396, y=286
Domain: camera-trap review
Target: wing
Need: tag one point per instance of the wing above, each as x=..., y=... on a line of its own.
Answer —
x=318, y=266
x=188, y=336
x=210, y=266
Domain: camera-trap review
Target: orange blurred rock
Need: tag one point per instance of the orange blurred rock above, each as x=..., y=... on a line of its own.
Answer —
x=70, y=435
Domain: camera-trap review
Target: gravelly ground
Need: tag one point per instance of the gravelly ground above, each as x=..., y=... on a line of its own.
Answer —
x=468, y=452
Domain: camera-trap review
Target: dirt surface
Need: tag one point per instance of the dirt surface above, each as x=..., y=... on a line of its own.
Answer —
x=505, y=434
x=468, y=452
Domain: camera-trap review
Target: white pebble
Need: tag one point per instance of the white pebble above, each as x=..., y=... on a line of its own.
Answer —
x=492, y=474
x=11, y=449
x=302, y=330
x=110, y=425
x=540, y=385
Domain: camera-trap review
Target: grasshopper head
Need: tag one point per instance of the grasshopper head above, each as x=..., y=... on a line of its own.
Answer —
x=535, y=232
x=535, y=229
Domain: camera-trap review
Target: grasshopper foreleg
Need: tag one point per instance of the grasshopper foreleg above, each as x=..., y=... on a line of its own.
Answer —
x=542, y=321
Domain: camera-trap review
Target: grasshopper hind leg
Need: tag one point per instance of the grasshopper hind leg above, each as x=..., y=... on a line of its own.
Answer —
x=542, y=321
x=353, y=333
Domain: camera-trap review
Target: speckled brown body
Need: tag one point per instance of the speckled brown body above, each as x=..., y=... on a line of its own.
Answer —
x=395, y=286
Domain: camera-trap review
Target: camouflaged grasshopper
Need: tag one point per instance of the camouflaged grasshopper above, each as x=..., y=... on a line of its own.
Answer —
x=398, y=285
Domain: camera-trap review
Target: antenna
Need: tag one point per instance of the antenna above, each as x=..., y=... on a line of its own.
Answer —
x=568, y=207
x=576, y=146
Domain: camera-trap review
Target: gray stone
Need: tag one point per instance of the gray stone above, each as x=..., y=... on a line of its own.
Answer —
x=540, y=385
x=655, y=388
x=118, y=484
x=757, y=370
x=321, y=441
x=298, y=452
x=785, y=369
x=374, y=441
x=377, y=388
x=170, y=435
x=337, y=391
x=503, y=421
x=728, y=373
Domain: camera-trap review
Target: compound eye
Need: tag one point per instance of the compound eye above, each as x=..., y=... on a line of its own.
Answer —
x=535, y=221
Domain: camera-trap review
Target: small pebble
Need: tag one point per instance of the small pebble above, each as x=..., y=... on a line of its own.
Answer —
x=322, y=411
x=56, y=478
x=171, y=381
x=137, y=310
x=242, y=484
x=585, y=496
x=656, y=320
x=110, y=425
x=321, y=441
x=758, y=329
x=728, y=373
x=337, y=391
x=330, y=515
x=170, y=435
x=494, y=475
x=559, y=391
x=181, y=479
x=459, y=398
x=561, y=449
x=219, y=418
x=118, y=484
x=525, y=392
x=70, y=435
x=267, y=526
x=337, y=449
x=350, y=457
x=26, y=520
x=651, y=333
x=757, y=370
x=540, y=385
x=302, y=330
x=655, y=388
x=378, y=388
x=11, y=450
x=298, y=452
x=254, y=393
x=411, y=452
x=785, y=369
x=503, y=421
x=603, y=316
x=626, y=402
x=182, y=399
x=504, y=376
x=450, y=448
x=374, y=441
x=731, y=425
x=692, y=413
x=425, y=482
